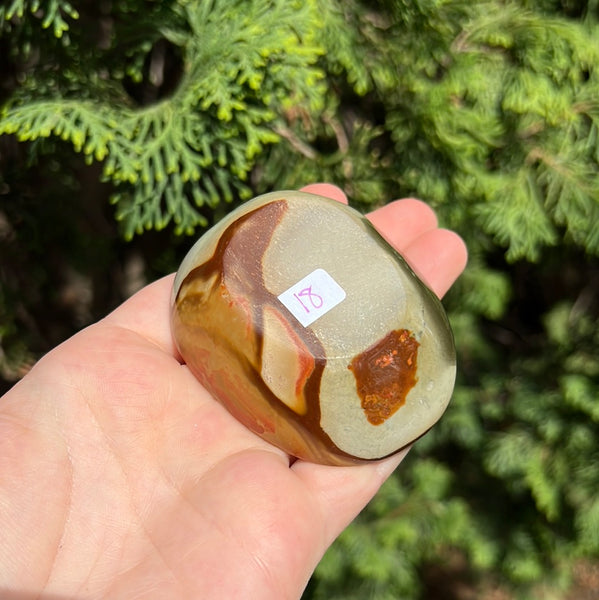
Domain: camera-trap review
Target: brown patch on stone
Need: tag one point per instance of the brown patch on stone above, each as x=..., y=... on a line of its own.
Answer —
x=385, y=373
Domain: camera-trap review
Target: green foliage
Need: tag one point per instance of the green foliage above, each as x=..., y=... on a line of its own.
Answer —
x=239, y=71
x=53, y=13
x=489, y=110
x=507, y=103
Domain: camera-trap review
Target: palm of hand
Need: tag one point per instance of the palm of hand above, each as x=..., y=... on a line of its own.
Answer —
x=122, y=477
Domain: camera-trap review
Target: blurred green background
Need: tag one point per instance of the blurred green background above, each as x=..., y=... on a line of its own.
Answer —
x=127, y=128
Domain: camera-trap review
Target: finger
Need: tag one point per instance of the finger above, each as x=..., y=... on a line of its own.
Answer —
x=148, y=313
x=327, y=190
x=438, y=257
x=402, y=221
x=341, y=492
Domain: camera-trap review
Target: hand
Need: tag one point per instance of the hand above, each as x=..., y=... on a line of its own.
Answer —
x=120, y=477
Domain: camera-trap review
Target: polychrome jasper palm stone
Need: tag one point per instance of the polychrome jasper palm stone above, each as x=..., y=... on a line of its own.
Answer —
x=313, y=331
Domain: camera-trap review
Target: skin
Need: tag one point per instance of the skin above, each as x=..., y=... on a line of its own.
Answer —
x=121, y=477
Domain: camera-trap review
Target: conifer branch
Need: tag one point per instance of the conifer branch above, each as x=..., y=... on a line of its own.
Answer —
x=299, y=145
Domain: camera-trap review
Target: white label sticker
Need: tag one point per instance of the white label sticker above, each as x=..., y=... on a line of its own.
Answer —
x=312, y=297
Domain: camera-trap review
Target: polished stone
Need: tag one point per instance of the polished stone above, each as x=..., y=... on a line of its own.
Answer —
x=313, y=331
